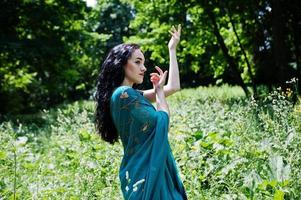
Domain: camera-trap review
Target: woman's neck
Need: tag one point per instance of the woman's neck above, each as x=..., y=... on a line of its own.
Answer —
x=126, y=83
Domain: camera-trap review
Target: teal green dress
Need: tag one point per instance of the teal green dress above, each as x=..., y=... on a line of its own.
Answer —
x=148, y=170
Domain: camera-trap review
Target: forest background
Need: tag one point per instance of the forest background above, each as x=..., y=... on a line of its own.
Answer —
x=51, y=51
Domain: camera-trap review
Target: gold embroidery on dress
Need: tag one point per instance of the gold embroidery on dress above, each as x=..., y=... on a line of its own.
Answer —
x=137, y=104
x=145, y=127
x=124, y=95
x=125, y=107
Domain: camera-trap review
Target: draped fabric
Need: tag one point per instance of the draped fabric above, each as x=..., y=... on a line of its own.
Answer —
x=148, y=170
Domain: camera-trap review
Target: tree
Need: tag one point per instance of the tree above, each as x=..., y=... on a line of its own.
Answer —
x=45, y=53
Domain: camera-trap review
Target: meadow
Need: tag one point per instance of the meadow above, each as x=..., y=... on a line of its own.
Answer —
x=226, y=147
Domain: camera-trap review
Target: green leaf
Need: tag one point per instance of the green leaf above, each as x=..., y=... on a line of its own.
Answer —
x=272, y=183
x=80, y=87
x=84, y=135
x=204, y=144
x=198, y=135
x=29, y=166
x=279, y=195
x=3, y=155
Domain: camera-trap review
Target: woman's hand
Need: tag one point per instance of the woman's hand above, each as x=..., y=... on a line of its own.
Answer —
x=158, y=80
x=175, y=37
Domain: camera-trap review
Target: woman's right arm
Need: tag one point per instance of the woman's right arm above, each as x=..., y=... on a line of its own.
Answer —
x=161, y=100
x=158, y=81
x=173, y=84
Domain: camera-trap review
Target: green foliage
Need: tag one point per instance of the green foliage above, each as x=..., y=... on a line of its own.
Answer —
x=51, y=51
x=112, y=18
x=199, y=52
x=62, y=158
x=46, y=56
x=222, y=41
x=226, y=147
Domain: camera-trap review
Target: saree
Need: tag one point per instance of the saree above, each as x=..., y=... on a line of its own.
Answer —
x=148, y=169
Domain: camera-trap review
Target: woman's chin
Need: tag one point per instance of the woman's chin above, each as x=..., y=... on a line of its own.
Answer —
x=140, y=81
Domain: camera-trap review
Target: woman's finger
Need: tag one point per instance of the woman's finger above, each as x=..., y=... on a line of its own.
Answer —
x=165, y=74
x=160, y=70
x=155, y=78
x=174, y=34
x=163, y=78
x=154, y=74
x=173, y=28
x=179, y=28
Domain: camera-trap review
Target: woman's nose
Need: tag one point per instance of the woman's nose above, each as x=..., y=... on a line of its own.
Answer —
x=144, y=68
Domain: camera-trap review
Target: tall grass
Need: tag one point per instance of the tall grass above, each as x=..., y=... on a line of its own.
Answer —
x=226, y=147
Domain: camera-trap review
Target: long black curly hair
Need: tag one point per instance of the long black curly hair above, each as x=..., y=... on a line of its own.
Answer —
x=111, y=76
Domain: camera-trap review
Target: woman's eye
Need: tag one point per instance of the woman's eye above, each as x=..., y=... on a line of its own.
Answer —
x=138, y=62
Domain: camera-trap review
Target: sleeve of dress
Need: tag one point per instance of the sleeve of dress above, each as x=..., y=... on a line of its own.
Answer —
x=156, y=147
x=141, y=110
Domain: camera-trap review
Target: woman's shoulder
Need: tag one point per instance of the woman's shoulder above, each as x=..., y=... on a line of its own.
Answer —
x=124, y=91
x=123, y=88
x=120, y=88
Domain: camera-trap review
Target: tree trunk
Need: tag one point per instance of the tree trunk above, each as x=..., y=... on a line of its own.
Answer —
x=244, y=53
x=297, y=42
x=279, y=47
x=231, y=61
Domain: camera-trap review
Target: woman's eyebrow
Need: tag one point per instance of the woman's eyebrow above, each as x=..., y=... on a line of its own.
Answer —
x=138, y=58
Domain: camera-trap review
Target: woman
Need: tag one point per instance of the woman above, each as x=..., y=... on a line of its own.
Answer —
x=148, y=169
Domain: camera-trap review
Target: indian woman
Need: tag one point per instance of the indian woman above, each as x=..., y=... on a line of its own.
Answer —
x=148, y=170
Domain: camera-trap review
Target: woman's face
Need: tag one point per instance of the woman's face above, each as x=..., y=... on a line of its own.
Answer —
x=134, y=69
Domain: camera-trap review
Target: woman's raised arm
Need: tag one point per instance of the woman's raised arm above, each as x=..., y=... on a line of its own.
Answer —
x=173, y=83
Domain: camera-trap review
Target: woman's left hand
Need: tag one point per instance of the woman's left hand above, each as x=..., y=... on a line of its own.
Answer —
x=175, y=37
x=158, y=80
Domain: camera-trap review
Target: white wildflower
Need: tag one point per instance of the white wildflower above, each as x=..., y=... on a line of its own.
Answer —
x=51, y=166
x=21, y=141
x=91, y=164
x=138, y=182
